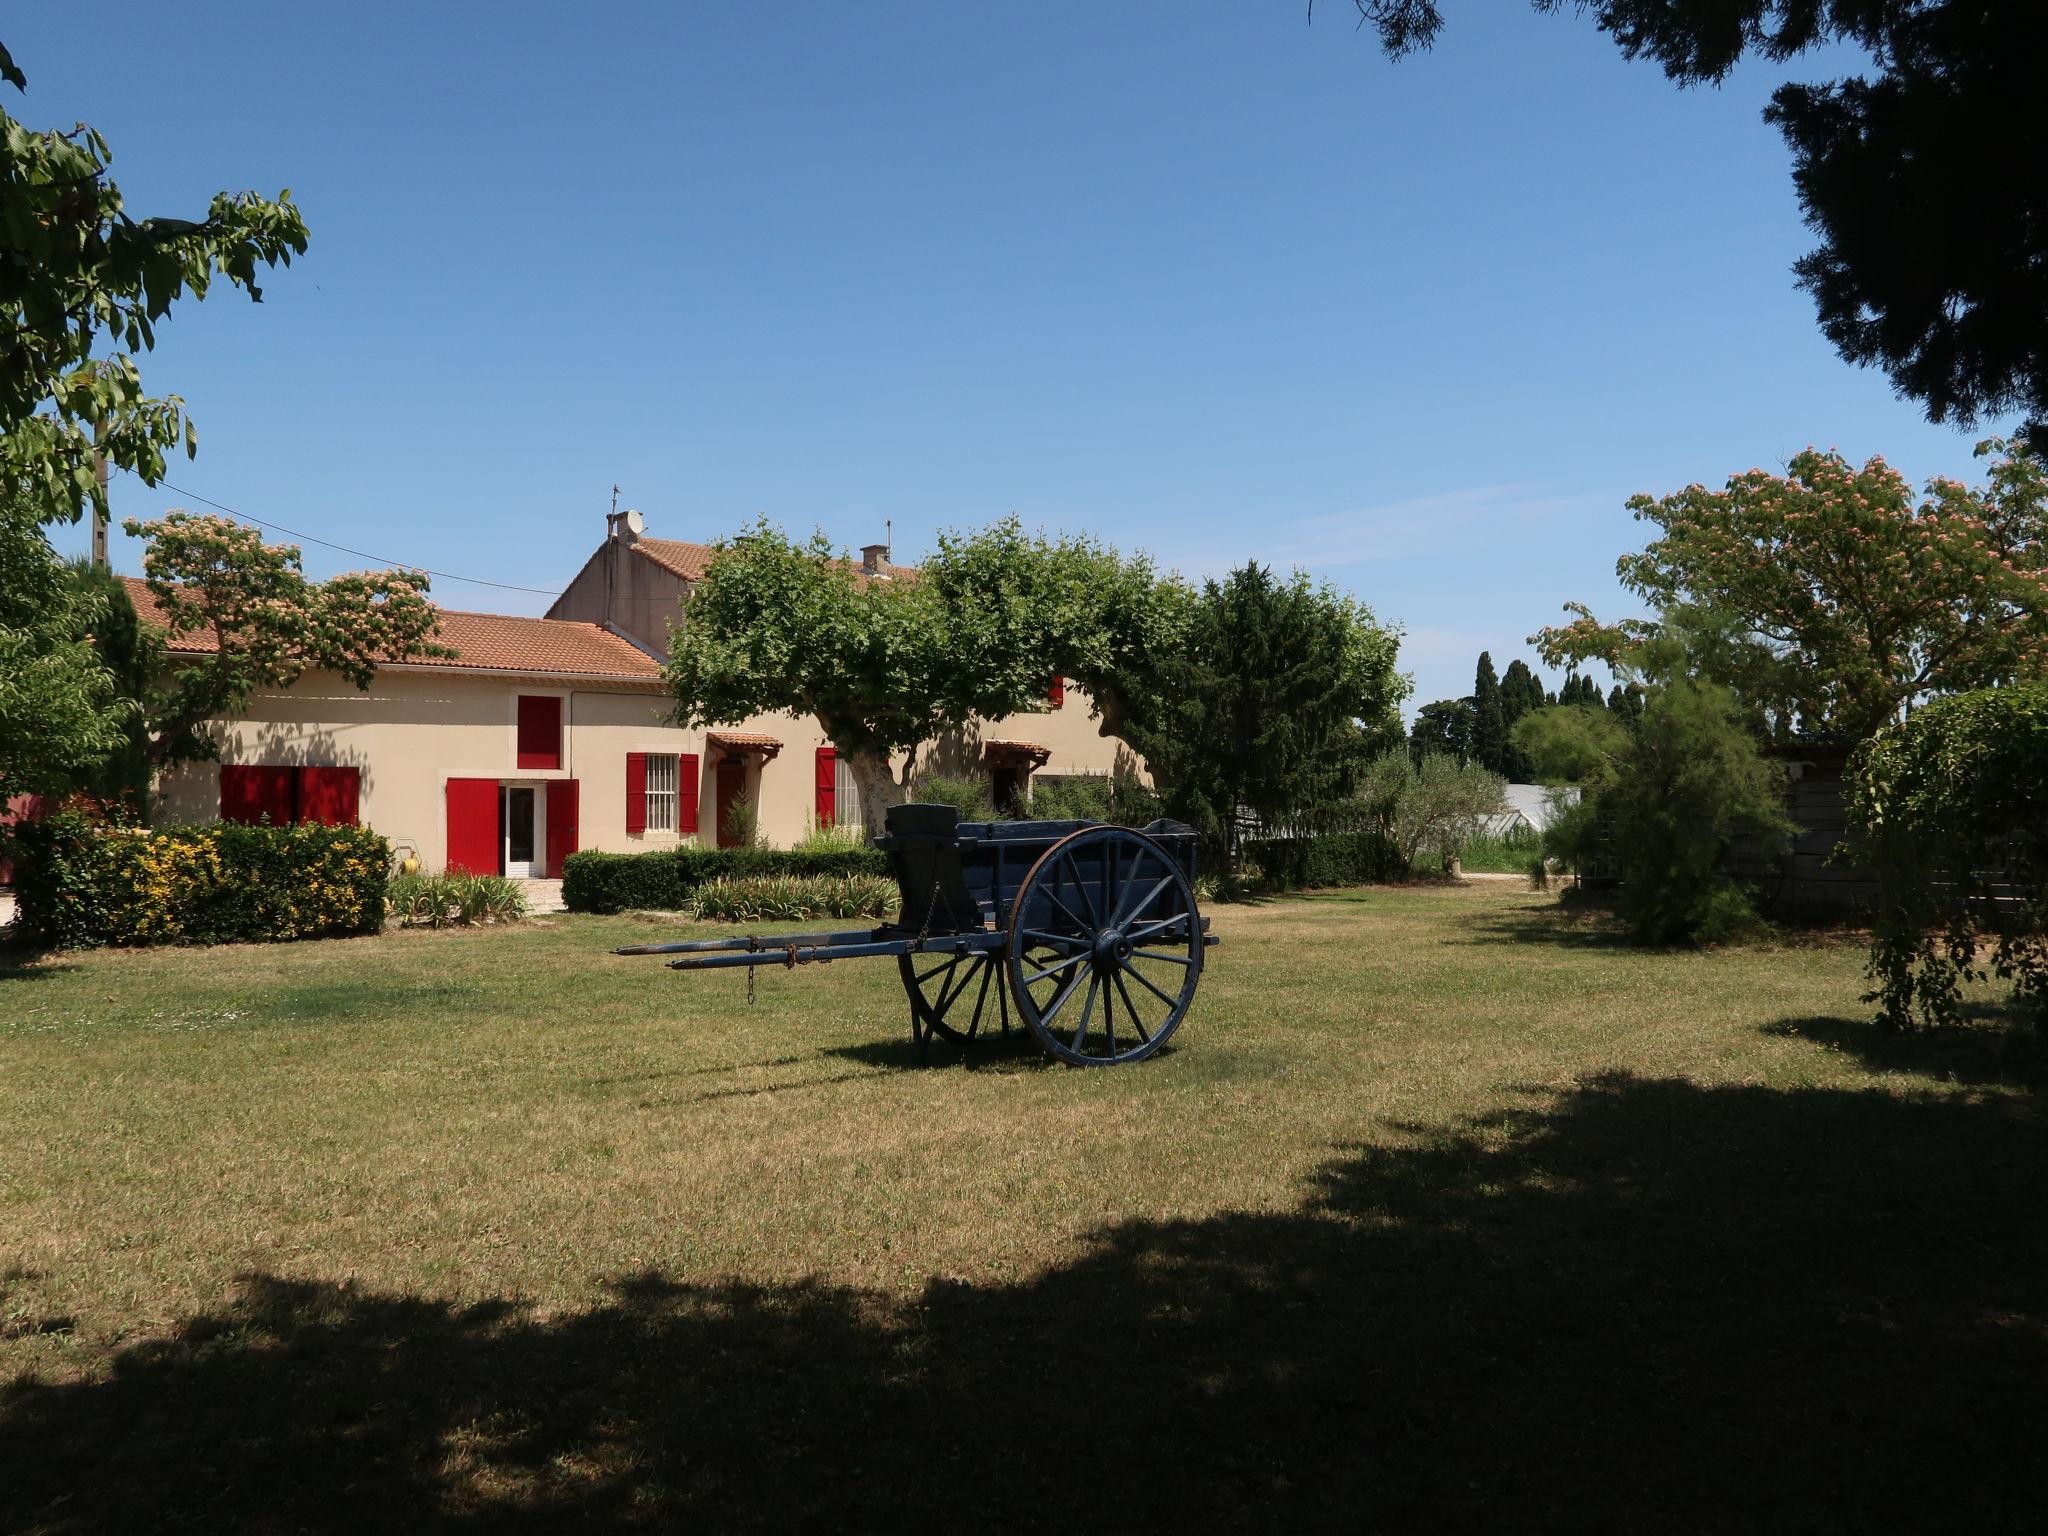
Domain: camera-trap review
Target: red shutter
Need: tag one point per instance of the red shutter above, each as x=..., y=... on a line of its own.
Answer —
x=636, y=793
x=254, y=794
x=330, y=796
x=562, y=797
x=686, y=794
x=540, y=731
x=828, y=787
x=1056, y=695
x=473, y=827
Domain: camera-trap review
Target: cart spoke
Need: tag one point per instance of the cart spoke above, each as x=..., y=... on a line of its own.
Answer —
x=1145, y=931
x=1081, y=887
x=1060, y=941
x=1150, y=896
x=1073, y=985
x=945, y=965
x=948, y=995
x=988, y=969
x=1146, y=982
x=1081, y=1029
x=1108, y=1012
x=1137, y=1023
x=1067, y=911
x=1153, y=954
x=1054, y=970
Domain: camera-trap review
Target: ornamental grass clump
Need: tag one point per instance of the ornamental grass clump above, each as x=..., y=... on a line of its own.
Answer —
x=455, y=900
x=793, y=898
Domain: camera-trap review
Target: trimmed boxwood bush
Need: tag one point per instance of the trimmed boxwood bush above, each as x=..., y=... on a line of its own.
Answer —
x=665, y=881
x=83, y=883
x=1336, y=858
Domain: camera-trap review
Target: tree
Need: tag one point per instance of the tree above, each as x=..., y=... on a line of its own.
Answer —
x=269, y=624
x=886, y=666
x=1489, y=719
x=1280, y=694
x=1948, y=811
x=1946, y=118
x=76, y=270
x=1443, y=728
x=1830, y=601
x=1671, y=800
x=59, y=714
x=1436, y=803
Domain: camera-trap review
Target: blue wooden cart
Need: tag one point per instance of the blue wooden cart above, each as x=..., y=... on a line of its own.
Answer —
x=1090, y=932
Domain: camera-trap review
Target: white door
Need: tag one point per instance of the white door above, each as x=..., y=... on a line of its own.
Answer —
x=519, y=815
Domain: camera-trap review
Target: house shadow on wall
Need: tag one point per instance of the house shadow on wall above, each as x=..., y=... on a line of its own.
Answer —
x=1630, y=1304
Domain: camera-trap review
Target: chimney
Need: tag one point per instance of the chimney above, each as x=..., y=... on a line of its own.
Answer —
x=627, y=525
x=871, y=558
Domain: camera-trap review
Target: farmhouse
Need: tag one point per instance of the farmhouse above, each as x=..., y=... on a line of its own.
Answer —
x=543, y=736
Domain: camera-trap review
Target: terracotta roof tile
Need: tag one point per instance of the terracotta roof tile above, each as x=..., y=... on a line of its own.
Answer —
x=496, y=642
x=745, y=741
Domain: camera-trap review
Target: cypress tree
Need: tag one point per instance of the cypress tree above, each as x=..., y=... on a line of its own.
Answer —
x=1489, y=721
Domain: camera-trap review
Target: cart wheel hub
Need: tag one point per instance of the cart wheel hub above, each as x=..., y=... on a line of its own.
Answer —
x=1112, y=949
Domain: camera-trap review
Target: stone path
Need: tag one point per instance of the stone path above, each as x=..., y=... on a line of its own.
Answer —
x=543, y=896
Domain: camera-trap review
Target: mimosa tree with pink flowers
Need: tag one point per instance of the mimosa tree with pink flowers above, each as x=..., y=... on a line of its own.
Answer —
x=1838, y=599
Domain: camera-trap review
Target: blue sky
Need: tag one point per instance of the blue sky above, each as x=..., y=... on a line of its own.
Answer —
x=1197, y=278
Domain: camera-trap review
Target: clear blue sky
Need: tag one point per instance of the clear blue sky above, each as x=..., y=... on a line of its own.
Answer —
x=1195, y=277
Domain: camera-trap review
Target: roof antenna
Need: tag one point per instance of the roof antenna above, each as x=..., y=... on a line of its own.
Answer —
x=889, y=539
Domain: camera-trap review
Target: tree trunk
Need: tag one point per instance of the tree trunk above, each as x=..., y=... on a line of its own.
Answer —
x=877, y=786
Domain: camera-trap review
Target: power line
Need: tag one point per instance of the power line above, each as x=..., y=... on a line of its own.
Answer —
x=474, y=581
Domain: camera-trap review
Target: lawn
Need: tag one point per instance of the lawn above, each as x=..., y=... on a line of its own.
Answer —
x=1444, y=1211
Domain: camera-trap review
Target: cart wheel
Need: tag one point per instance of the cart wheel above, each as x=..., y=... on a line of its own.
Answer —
x=944, y=989
x=1105, y=947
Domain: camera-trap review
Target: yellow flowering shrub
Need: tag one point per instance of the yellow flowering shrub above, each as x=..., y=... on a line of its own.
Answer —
x=84, y=884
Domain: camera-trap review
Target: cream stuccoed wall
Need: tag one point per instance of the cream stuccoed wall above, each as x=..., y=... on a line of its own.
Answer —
x=416, y=728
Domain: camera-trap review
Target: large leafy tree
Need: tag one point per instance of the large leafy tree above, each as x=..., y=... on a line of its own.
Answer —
x=1270, y=709
x=83, y=284
x=59, y=713
x=1832, y=599
x=1943, y=122
x=268, y=625
x=886, y=666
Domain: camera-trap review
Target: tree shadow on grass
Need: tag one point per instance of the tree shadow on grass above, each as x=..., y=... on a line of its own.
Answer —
x=1562, y=926
x=1993, y=1046
x=1636, y=1304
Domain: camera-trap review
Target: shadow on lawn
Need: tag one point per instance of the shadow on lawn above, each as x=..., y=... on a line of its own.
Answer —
x=1638, y=1303
x=1994, y=1046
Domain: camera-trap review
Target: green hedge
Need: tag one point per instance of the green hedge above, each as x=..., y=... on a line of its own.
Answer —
x=82, y=883
x=665, y=881
x=1336, y=858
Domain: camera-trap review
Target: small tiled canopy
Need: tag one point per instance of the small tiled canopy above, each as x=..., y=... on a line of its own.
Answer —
x=1027, y=755
x=745, y=744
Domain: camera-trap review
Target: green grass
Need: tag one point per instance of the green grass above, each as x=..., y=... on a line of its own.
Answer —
x=1445, y=1211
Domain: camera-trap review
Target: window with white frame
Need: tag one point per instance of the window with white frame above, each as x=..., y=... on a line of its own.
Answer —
x=845, y=797
x=661, y=792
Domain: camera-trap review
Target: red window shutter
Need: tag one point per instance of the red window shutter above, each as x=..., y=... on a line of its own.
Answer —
x=1056, y=695
x=636, y=793
x=828, y=787
x=562, y=829
x=473, y=827
x=540, y=731
x=329, y=796
x=686, y=794
x=253, y=794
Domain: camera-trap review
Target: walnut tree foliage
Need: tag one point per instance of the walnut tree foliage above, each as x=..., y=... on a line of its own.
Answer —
x=83, y=285
x=1917, y=167
x=1831, y=598
x=1949, y=813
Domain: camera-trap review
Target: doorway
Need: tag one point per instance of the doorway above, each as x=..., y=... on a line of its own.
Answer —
x=518, y=824
x=732, y=788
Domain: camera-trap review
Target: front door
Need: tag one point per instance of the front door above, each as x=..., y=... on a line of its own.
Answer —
x=518, y=821
x=732, y=787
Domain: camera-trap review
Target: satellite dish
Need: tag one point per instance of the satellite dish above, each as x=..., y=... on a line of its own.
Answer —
x=635, y=523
